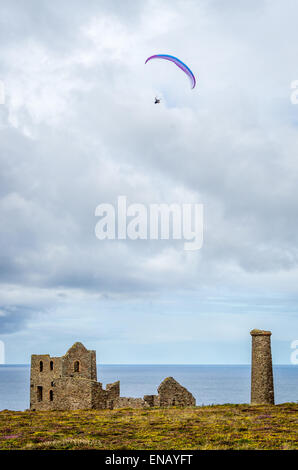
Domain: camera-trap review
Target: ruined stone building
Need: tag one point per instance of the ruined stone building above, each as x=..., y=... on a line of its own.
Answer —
x=70, y=383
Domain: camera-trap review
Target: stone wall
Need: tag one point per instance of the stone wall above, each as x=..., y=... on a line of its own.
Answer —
x=151, y=400
x=86, y=362
x=44, y=370
x=72, y=393
x=77, y=363
x=127, y=402
x=171, y=393
x=101, y=398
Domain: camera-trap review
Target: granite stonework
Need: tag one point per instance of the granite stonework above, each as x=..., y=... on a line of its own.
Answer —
x=70, y=383
x=262, y=388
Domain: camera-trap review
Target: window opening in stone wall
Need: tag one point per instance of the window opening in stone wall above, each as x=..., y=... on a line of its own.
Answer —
x=76, y=366
x=40, y=366
x=39, y=393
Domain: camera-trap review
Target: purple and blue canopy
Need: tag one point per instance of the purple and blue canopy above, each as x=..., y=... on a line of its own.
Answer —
x=179, y=64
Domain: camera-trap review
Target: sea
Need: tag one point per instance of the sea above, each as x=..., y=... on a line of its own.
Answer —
x=210, y=384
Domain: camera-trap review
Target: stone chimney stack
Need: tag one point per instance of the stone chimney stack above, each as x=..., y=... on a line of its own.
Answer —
x=262, y=389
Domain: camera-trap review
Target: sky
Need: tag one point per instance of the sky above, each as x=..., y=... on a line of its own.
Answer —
x=79, y=128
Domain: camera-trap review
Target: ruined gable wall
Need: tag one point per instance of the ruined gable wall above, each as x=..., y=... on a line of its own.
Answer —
x=171, y=393
x=86, y=359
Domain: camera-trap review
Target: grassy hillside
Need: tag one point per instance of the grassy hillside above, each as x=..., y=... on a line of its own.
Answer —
x=209, y=427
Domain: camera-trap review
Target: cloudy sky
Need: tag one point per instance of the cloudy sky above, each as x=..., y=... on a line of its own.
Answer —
x=79, y=128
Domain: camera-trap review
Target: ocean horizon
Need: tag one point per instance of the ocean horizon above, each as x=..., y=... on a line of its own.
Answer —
x=210, y=384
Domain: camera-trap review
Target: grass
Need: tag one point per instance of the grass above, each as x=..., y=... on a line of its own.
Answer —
x=207, y=427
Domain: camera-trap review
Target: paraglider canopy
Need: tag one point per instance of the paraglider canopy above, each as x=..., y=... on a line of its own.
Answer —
x=179, y=64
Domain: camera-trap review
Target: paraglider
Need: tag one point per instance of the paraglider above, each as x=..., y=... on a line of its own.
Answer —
x=179, y=64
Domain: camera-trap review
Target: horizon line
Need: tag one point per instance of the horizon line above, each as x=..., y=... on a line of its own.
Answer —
x=156, y=364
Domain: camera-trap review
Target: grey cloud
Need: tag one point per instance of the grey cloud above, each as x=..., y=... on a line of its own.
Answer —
x=82, y=129
x=14, y=318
